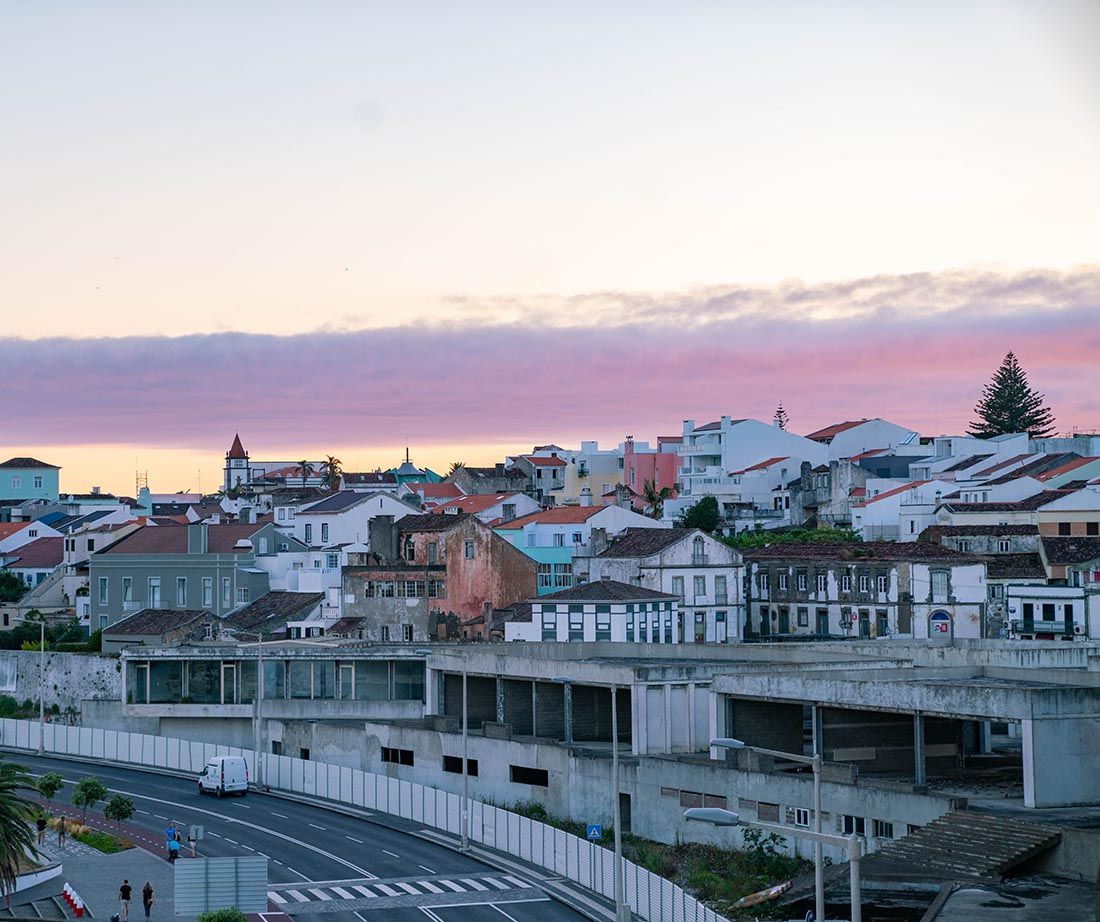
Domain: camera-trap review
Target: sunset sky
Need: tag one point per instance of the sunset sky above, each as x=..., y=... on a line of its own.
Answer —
x=338, y=226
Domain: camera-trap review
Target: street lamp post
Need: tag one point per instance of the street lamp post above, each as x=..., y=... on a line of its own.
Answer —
x=815, y=762
x=622, y=908
x=465, y=845
x=257, y=712
x=41, y=684
x=719, y=817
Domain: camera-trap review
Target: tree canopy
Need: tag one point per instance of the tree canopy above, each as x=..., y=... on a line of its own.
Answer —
x=704, y=515
x=11, y=587
x=1010, y=404
x=781, y=419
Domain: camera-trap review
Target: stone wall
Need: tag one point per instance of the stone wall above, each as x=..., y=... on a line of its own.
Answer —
x=70, y=678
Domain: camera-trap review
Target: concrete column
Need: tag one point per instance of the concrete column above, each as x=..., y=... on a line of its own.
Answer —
x=985, y=730
x=638, y=721
x=691, y=717
x=567, y=707
x=716, y=723
x=818, y=731
x=668, y=718
x=534, y=711
x=500, y=700
x=919, y=776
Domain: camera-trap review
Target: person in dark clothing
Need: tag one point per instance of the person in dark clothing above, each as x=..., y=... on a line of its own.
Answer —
x=147, y=897
x=125, y=894
x=40, y=825
x=61, y=831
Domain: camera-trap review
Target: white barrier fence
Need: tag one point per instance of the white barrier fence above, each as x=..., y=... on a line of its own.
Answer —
x=650, y=896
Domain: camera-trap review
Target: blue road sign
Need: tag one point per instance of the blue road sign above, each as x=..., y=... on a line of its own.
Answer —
x=594, y=832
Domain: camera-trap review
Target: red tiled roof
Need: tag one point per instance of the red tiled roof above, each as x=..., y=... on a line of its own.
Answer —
x=870, y=453
x=544, y=462
x=557, y=515
x=1065, y=468
x=829, y=432
x=478, y=502
x=761, y=465
x=220, y=539
x=236, y=450
x=28, y=463
x=7, y=529
x=443, y=491
x=40, y=554
x=1030, y=504
x=894, y=492
x=858, y=491
x=1001, y=465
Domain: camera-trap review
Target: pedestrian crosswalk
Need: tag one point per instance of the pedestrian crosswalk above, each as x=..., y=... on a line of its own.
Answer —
x=338, y=895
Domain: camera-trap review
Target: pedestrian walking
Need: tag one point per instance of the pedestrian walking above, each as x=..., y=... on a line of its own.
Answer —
x=147, y=897
x=40, y=825
x=173, y=849
x=61, y=831
x=125, y=894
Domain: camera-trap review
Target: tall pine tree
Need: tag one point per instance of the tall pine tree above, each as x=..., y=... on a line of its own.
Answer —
x=1010, y=404
x=781, y=419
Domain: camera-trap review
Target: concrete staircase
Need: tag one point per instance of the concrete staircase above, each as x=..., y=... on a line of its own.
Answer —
x=47, y=907
x=962, y=845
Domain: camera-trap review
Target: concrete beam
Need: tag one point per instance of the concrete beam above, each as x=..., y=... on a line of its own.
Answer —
x=919, y=774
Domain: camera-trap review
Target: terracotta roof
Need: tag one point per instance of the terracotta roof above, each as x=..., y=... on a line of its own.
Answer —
x=761, y=465
x=221, y=539
x=442, y=491
x=544, y=462
x=336, y=502
x=1001, y=465
x=830, y=432
x=26, y=463
x=894, y=492
x=236, y=450
x=1024, y=505
x=857, y=491
x=975, y=530
x=1015, y=566
x=344, y=625
x=604, y=590
x=1071, y=550
x=968, y=461
x=645, y=542
x=40, y=554
x=716, y=424
x=870, y=453
x=1065, y=468
x=557, y=515
x=7, y=529
x=150, y=621
x=1039, y=465
x=868, y=550
x=273, y=610
x=477, y=502
x=370, y=477
x=486, y=472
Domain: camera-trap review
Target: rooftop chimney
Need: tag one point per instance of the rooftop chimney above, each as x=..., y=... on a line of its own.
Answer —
x=197, y=540
x=586, y=496
x=382, y=537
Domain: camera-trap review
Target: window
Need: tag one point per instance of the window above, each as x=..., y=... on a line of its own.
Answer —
x=846, y=583
x=939, y=585
x=964, y=545
x=578, y=537
x=242, y=595
x=1003, y=546
x=397, y=756
x=883, y=581
x=762, y=583
x=545, y=575
x=103, y=590
x=1065, y=529
x=437, y=589
x=521, y=774
x=864, y=583
x=324, y=532
x=227, y=590
x=802, y=582
x=385, y=633
x=332, y=561
x=453, y=764
x=280, y=514
x=549, y=625
x=576, y=622
x=468, y=550
x=720, y=597
x=181, y=592
x=678, y=587
x=699, y=585
x=801, y=817
x=559, y=539
x=283, y=546
x=433, y=553
x=630, y=623
x=309, y=534
x=854, y=825
x=508, y=511
x=38, y=481
x=16, y=482
x=603, y=622
x=1092, y=529
x=263, y=545
x=207, y=591
x=127, y=589
x=996, y=591
x=882, y=829
x=782, y=582
x=407, y=633
x=822, y=583
x=563, y=575
x=698, y=550
x=803, y=617
x=33, y=532
x=153, y=600
x=530, y=539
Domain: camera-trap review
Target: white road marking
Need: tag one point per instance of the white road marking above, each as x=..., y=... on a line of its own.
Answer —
x=422, y=868
x=365, y=891
x=515, y=880
x=429, y=886
x=159, y=817
x=496, y=883
x=503, y=913
x=320, y=894
x=145, y=813
x=300, y=897
x=275, y=898
x=231, y=841
x=450, y=885
x=237, y=803
x=431, y=915
x=409, y=888
x=315, y=826
x=353, y=839
x=342, y=893
x=280, y=815
x=294, y=871
x=391, y=854
x=214, y=834
x=477, y=885
x=537, y=899
x=249, y=847
x=359, y=915
x=389, y=891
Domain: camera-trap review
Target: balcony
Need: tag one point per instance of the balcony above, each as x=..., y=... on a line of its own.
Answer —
x=1058, y=628
x=700, y=560
x=131, y=606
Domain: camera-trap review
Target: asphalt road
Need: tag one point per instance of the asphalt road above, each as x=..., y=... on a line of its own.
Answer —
x=323, y=865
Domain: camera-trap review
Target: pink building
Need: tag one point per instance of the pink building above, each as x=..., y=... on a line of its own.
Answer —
x=643, y=463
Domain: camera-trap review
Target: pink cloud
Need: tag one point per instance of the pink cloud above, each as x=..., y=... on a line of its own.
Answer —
x=471, y=384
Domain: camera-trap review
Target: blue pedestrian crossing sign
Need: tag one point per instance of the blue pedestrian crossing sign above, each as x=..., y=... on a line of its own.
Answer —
x=595, y=832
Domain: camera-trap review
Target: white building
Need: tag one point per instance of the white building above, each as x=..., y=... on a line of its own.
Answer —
x=344, y=518
x=491, y=508
x=15, y=534
x=704, y=574
x=602, y=611
x=880, y=515
x=853, y=437
x=571, y=526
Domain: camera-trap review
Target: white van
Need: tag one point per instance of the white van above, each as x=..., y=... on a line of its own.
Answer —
x=224, y=775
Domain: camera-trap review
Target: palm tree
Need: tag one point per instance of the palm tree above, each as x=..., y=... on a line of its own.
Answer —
x=17, y=840
x=456, y=466
x=332, y=471
x=306, y=470
x=655, y=498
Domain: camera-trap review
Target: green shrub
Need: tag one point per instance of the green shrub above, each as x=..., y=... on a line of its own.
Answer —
x=232, y=914
x=102, y=841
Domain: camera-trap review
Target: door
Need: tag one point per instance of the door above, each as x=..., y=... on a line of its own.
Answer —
x=864, y=623
x=784, y=621
x=347, y=681
x=229, y=683
x=700, y=627
x=822, y=622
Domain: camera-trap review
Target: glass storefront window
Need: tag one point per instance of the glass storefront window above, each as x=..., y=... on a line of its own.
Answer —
x=324, y=679
x=165, y=683
x=274, y=679
x=372, y=680
x=204, y=684
x=408, y=681
x=246, y=673
x=300, y=679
